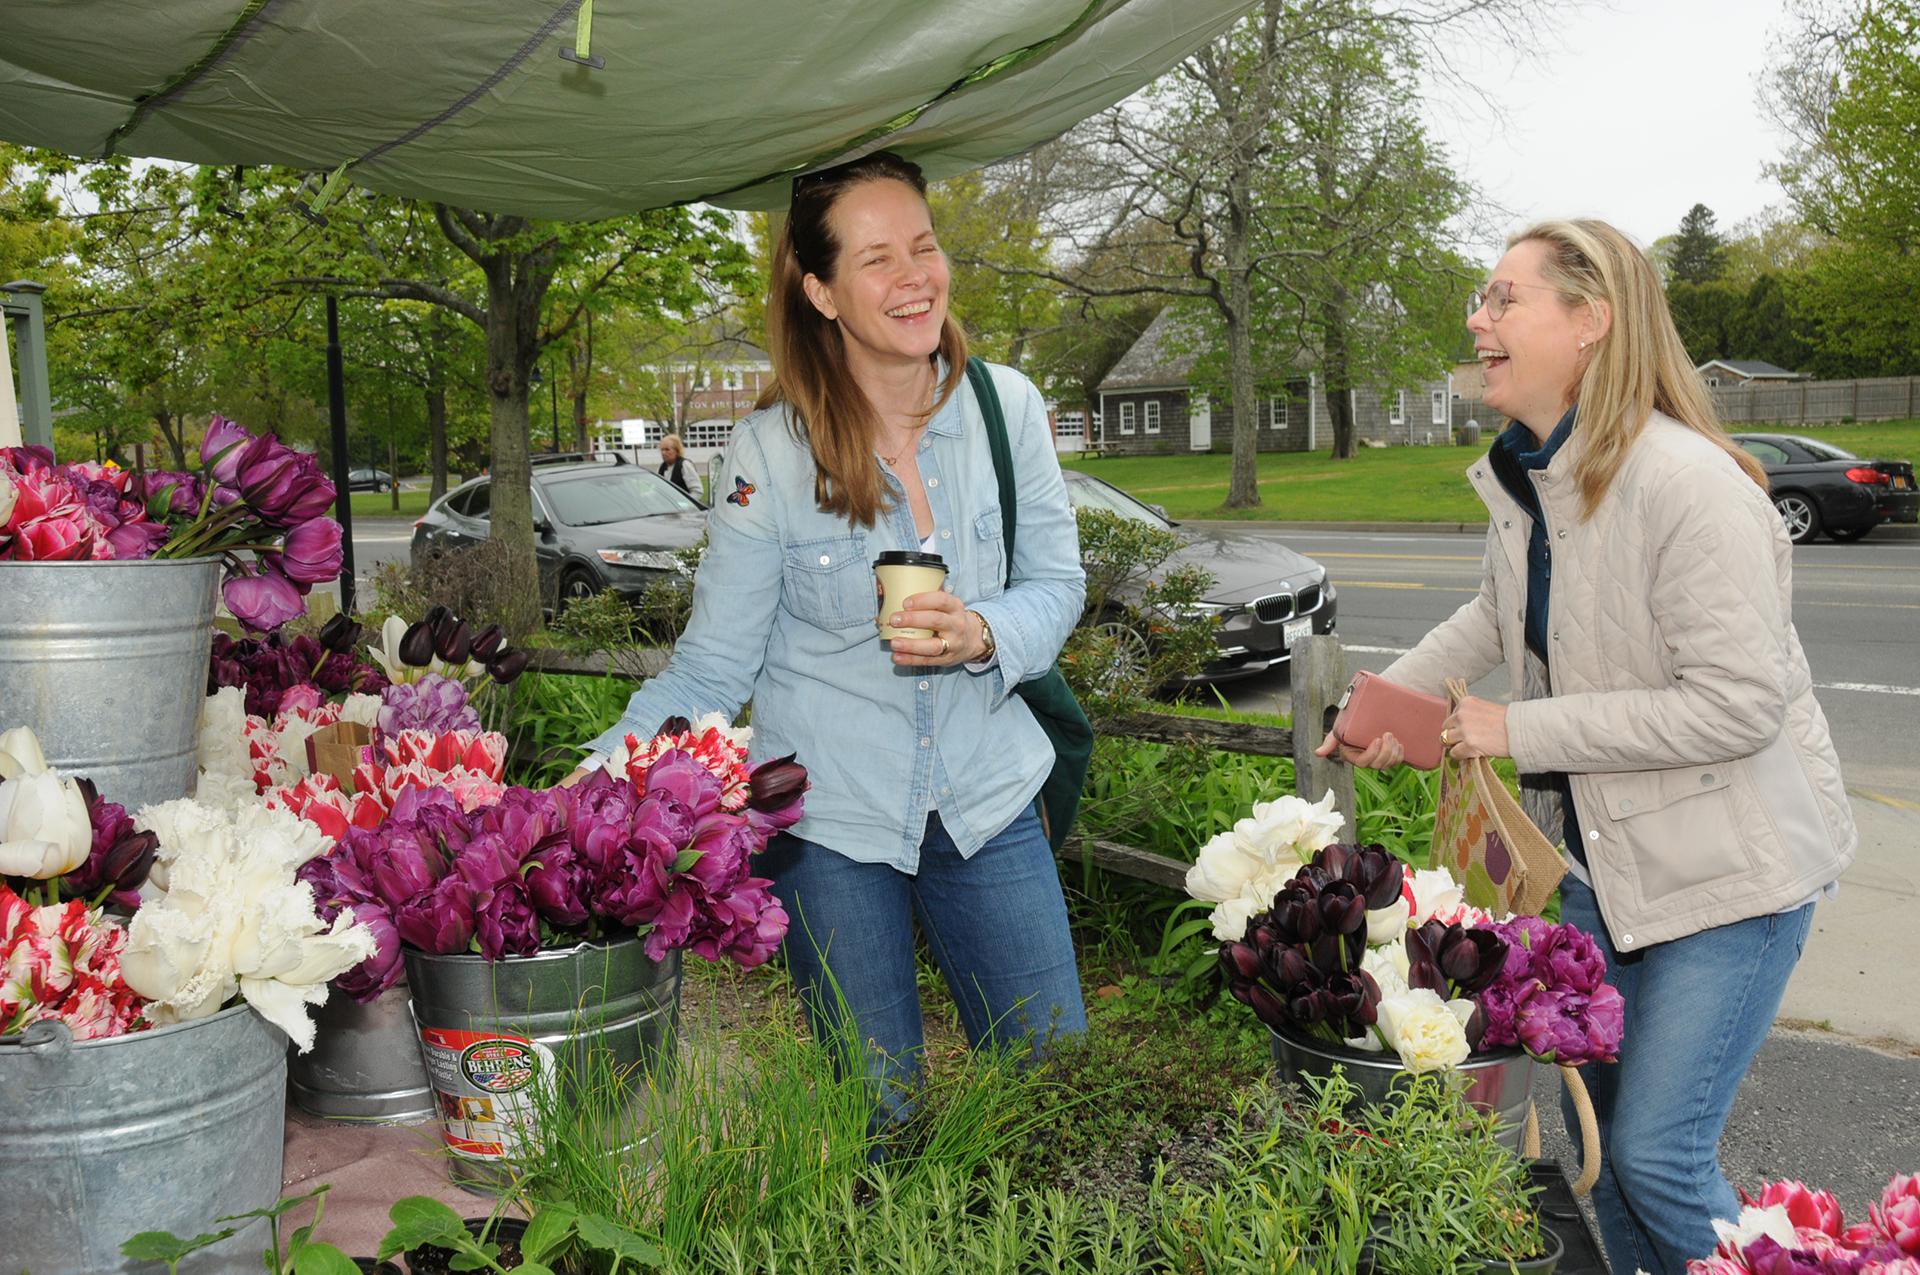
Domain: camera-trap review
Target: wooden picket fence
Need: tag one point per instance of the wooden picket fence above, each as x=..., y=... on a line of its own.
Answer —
x=1319, y=678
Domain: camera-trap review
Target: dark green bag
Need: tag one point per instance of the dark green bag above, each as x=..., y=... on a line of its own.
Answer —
x=1048, y=696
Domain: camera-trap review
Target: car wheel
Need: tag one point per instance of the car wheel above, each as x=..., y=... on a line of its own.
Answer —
x=1132, y=660
x=1847, y=535
x=575, y=586
x=1799, y=513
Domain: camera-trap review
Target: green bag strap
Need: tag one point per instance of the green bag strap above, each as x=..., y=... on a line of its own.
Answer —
x=989, y=400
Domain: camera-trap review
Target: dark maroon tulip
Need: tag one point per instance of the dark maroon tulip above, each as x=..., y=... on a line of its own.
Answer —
x=1333, y=859
x=486, y=643
x=1239, y=961
x=416, y=645
x=365, y=981
x=1288, y=968
x=776, y=784
x=220, y=449
x=1296, y=916
x=1472, y=958
x=1476, y=1027
x=1342, y=909
x=674, y=726
x=1357, y=998
x=263, y=601
x=130, y=860
x=453, y=642
x=505, y=668
x=312, y=551
x=340, y=634
x=1241, y=990
x=1312, y=1007
x=1268, y=1006
x=1424, y=943
x=1426, y=974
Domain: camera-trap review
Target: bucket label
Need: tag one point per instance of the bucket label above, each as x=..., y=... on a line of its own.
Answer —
x=484, y=1087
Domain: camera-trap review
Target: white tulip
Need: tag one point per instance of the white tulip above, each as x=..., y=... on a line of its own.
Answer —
x=1754, y=1222
x=44, y=830
x=1388, y=924
x=1434, y=892
x=1388, y=965
x=387, y=654
x=1428, y=1033
x=364, y=709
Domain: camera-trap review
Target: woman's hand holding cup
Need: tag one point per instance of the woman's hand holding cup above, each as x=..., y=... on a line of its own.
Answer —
x=956, y=632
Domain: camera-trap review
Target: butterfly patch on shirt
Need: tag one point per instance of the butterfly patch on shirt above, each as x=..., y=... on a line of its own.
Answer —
x=741, y=490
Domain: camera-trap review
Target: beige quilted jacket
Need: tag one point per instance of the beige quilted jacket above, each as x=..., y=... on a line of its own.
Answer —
x=1701, y=766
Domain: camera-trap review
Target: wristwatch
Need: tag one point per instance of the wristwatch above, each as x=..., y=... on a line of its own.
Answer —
x=986, y=636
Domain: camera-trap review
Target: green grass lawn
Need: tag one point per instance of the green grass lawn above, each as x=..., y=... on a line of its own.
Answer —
x=379, y=504
x=1392, y=484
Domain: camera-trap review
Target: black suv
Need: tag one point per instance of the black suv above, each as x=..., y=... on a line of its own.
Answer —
x=596, y=526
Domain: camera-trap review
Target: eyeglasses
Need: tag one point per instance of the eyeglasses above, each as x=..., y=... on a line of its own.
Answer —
x=1496, y=298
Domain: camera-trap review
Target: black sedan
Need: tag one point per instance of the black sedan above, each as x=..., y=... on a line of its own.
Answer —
x=1818, y=486
x=1264, y=595
x=369, y=480
x=596, y=526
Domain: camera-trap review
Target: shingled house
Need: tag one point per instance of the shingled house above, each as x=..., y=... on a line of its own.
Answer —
x=1148, y=404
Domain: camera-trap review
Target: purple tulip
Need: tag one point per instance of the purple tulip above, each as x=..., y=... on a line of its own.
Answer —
x=754, y=926
x=678, y=777
x=137, y=539
x=1570, y=958
x=365, y=981
x=559, y=885
x=263, y=601
x=312, y=551
x=433, y=703
x=723, y=843
x=182, y=492
x=311, y=495
x=488, y=861
x=268, y=477
x=404, y=865
x=505, y=922
x=220, y=449
x=440, y=920
x=636, y=891
x=337, y=879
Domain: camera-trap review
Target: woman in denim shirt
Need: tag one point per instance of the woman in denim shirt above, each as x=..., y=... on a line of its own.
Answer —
x=924, y=764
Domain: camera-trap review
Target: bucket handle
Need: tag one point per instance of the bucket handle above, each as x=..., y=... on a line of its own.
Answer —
x=1589, y=1132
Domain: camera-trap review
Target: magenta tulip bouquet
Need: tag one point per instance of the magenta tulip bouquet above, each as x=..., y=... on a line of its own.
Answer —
x=661, y=850
x=251, y=494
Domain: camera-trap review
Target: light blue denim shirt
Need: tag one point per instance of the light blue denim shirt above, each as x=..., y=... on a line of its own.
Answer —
x=785, y=612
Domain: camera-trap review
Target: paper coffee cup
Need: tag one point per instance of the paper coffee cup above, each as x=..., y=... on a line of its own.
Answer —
x=902, y=574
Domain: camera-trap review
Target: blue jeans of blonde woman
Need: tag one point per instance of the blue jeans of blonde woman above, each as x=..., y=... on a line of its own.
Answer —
x=1697, y=1011
x=996, y=923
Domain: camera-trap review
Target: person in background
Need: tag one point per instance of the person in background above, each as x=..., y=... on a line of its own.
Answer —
x=924, y=763
x=673, y=463
x=1639, y=588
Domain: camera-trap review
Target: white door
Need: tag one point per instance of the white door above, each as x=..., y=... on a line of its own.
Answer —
x=1200, y=424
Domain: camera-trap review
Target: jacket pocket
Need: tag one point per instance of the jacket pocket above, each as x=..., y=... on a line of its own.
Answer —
x=1685, y=827
x=989, y=555
x=830, y=584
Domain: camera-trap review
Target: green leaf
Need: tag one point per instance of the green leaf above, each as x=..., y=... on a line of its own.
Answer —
x=323, y=1259
x=606, y=1237
x=551, y=1227
x=164, y=1246
x=687, y=859
x=421, y=1219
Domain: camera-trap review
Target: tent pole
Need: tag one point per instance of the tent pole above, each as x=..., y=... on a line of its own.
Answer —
x=337, y=419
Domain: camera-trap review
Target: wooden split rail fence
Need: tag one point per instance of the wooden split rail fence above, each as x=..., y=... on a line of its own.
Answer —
x=1319, y=678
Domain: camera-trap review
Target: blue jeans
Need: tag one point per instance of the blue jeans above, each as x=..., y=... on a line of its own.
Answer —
x=1697, y=1011
x=997, y=924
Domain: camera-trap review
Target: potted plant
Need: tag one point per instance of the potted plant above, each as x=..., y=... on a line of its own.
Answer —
x=537, y=928
x=108, y=584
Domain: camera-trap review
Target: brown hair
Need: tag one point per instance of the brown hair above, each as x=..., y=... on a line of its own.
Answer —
x=1639, y=367
x=831, y=413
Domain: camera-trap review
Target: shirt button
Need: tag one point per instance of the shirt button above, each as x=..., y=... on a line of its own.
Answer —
x=824, y=559
x=1593, y=836
x=1707, y=780
x=1626, y=805
x=924, y=685
x=926, y=741
x=1626, y=938
x=946, y=535
x=933, y=482
x=945, y=791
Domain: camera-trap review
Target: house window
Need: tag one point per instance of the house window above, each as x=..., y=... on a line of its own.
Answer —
x=1277, y=413
x=1398, y=416
x=1153, y=415
x=1440, y=413
x=733, y=378
x=1126, y=417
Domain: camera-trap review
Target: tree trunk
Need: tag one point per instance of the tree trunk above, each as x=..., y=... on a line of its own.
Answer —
x=1243, y=489
x=173, y=429
x=1334, y=358
x=437, y=444
x=583, y=374
x=512, y=344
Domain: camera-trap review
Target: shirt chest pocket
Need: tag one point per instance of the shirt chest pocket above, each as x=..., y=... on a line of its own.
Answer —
x=989, y=556
x=829, y=583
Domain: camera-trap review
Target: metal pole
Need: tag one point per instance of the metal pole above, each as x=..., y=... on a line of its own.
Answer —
x=337, y=419
x=21, y=305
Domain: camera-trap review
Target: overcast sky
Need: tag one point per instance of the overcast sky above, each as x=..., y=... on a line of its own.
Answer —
x=1647, y=108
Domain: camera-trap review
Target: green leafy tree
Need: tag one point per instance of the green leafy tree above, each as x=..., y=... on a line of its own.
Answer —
x=1698, y=254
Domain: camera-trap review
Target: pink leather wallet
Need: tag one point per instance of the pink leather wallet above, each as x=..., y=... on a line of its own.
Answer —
x=1373, y=705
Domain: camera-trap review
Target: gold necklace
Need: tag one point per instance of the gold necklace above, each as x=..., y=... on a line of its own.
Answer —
x=894, y=460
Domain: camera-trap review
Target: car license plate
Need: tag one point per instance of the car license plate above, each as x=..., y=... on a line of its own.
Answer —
x=1293, y=630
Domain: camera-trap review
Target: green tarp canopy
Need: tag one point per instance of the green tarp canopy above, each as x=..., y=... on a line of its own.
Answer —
x=476, y=102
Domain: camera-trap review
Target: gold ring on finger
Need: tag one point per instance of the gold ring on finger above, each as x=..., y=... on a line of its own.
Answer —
x=945, y=650
x=1444, y=732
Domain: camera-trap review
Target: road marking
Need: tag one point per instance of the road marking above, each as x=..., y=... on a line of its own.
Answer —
x=1410, y=557
x=1376, y=650
x=1898, y=802
x=1872, y=688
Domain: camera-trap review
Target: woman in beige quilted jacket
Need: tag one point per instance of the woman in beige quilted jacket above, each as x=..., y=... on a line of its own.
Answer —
x=1638, y=586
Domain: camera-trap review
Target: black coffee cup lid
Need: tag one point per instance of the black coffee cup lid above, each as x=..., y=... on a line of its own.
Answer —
x=909, y=558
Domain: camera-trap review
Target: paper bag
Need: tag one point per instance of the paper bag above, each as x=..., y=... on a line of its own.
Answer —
x=1480, y=834
x=335, y=750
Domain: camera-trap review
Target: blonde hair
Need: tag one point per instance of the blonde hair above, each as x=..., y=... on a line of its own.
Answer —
x=678, y=444
x=810, y=373
x=1639, y=367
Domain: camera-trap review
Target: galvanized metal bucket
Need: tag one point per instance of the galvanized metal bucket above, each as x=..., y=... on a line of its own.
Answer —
x=163, y=1130
x=107, y=662
x=492, y=1032
x=1499, y=1081
x=365, y=1061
